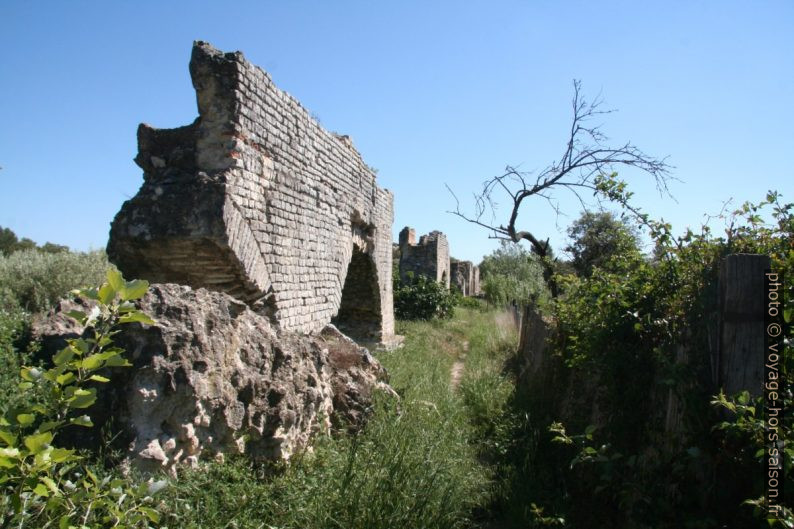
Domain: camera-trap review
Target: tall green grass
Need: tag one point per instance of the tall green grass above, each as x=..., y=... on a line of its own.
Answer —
x=417, y=464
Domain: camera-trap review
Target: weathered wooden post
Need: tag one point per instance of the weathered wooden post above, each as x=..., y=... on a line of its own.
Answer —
x=740, y=356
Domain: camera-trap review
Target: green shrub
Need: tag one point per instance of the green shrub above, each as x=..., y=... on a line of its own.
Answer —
x=41, y=484
x=12, y=324
x=623, y=326
x=423, y=299
x=598, y=237
x=470, y=303
x=510, y=274
x=37, y=279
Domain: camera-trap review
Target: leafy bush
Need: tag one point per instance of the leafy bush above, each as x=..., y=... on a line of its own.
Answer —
x=36, y=279
x=42, y=484
x=596, y=238
x=469, y=302
x=511, y=273
x=12, y=324
x=423, y=299
x=622, y=326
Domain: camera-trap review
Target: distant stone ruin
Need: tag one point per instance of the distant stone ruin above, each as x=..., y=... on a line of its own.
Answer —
x=465, y=276
x=257, y=200
x=429, y=257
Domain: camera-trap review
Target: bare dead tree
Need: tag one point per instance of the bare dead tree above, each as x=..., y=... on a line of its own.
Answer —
x=587, y=165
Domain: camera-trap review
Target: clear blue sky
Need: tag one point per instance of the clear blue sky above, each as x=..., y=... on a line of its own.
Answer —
x=431, y=93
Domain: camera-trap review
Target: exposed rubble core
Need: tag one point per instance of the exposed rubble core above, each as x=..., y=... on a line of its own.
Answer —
x=256, y=199
x=214, y=378
x=429, y=257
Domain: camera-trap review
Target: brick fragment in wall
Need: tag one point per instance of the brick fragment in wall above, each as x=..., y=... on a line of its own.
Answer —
x=257, y=191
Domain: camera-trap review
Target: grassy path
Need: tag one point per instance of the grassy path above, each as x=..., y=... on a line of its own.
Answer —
x=456, y=373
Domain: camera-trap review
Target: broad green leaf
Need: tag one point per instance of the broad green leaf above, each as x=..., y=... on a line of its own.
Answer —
x=134, y=289
x=83, y=420
x=63, y=356
x=106, y=294
x=83, y=398
x=38, y=442
x=46, y=426
x=6, y=462
x=59, y=455
x=150, y=513
x=41, y=490
x=24, y=386
x=115, y=280
x=80, y=345
x=8, y=438
x=99, y=378
x=64, y=522
x=117, y=361
x=92, y=362
x=25, y=419
x=126, y=306
x=50, y=484
x=65, y=378
x=31, y=374
x=136, y=316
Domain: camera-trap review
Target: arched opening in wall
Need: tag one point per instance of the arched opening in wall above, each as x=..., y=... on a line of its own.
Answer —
x=444, y=277
x=359, y=313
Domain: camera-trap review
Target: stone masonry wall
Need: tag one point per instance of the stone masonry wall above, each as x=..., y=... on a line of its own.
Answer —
x=256, y=199
x=466, y=277
x=429, y=257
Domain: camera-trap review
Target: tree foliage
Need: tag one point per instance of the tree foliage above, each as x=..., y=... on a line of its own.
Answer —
x=10, y=243
x=597, y=237
x=512, y=274
x=421, y=298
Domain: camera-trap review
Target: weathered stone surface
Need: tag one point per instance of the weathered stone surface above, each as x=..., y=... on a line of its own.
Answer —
x=213, y=377
x=257, y=200
x=466, y=277
x=429, y=257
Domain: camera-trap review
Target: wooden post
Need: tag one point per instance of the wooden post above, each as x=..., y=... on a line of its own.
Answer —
x=741, y=335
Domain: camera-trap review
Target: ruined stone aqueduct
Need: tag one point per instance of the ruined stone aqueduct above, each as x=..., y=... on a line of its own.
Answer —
x=256, y=199
x=262, y=234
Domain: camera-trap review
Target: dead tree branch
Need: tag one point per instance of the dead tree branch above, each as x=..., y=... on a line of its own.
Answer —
x=587, y=165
